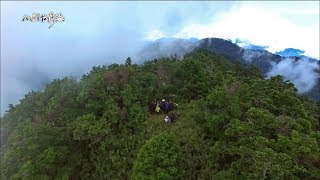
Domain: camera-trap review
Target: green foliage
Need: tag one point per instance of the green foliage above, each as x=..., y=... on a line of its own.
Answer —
x=88, y=127
x=257, y=136
x=233, y=125
x=34, y=150
x=159, y=158
x=195, y=80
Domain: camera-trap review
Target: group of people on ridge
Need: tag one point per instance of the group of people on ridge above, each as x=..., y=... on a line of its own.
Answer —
x=164, y=107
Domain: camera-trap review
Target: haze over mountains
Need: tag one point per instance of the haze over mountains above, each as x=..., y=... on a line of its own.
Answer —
x=303, y=71
x=99, y=33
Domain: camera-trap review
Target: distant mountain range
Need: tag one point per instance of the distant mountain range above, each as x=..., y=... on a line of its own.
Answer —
x=303, y=71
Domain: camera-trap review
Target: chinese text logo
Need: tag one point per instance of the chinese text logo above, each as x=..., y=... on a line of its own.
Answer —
x=51, y=18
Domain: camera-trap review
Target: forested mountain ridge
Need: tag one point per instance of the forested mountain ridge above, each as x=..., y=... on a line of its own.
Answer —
x=303, y=71
x=233, y=124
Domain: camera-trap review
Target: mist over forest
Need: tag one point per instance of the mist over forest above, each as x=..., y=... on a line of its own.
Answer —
x=161, y=90
x=108, y=32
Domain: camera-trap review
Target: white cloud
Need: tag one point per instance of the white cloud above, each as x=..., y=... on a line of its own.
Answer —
x=279, y=26
x=155, y=34
x=302, y=73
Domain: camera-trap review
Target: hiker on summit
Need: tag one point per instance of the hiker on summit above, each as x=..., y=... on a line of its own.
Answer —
x=157, y=110
x=166, y=107
x=162, y=105
x=172, y=117
x=152, y=106
x=167, y=119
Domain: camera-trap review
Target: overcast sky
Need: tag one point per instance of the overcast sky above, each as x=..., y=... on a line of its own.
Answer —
x=99, y=32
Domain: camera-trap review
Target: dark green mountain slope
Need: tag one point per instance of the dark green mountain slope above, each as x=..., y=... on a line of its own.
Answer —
x=232, y=124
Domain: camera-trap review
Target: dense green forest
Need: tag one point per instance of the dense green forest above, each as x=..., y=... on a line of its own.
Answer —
x=233, y=124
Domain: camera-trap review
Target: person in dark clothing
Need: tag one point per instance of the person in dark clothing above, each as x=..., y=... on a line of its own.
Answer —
x=170, y=106
x=163, y=105
x=166, y=107
x=152, y=106
x=172, y=118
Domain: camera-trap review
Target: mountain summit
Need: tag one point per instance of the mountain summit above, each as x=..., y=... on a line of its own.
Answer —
x=301, y=70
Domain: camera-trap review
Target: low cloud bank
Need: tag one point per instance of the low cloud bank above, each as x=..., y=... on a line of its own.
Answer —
x=303, y=73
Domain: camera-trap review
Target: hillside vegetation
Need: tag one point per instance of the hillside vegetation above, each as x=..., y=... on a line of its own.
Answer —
x=233, y=124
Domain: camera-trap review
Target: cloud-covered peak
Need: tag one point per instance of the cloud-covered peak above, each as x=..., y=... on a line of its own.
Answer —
x=278, y=25
x=303, y=73
x=247, y=44
x=301, y=70
x=288, y=52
